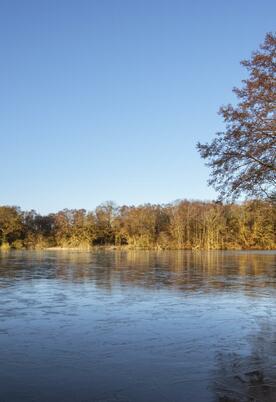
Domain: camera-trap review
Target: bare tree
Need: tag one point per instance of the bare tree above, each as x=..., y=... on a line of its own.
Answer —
x=242, y=158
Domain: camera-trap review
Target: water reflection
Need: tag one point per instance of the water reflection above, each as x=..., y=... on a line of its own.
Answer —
x=184, y=270
x=138, y=326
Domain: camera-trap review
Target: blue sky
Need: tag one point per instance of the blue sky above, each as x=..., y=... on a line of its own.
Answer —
x=105, y=100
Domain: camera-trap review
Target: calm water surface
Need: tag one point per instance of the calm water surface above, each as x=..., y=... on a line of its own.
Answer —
x=138, y=326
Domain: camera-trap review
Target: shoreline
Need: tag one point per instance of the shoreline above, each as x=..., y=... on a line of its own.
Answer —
x=131, y=248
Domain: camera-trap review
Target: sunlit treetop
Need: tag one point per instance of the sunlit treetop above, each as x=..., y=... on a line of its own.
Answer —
x=242, y=158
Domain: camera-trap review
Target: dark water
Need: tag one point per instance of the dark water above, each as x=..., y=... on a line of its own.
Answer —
x=138, y=326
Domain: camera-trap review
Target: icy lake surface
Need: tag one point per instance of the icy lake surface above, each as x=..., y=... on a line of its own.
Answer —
x=138, y=326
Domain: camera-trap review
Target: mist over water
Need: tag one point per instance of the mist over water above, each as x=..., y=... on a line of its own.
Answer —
x=137, y=326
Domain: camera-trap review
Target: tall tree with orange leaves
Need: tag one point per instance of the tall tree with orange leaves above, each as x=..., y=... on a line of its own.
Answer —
x=243, y=157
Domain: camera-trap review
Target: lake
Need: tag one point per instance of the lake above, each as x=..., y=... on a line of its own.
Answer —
x=138, y=326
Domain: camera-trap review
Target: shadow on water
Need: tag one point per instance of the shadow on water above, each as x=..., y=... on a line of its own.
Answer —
x=249, y=377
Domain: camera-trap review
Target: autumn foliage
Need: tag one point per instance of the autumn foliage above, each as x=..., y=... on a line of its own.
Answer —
x=180, y=225
x=243, y=157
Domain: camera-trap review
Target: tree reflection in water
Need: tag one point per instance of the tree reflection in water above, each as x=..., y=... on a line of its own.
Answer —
x=181, y=270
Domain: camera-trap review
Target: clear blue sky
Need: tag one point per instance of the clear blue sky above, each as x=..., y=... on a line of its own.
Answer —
x=106, y=99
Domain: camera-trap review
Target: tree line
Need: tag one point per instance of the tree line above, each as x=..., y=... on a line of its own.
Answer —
x=179, y=225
